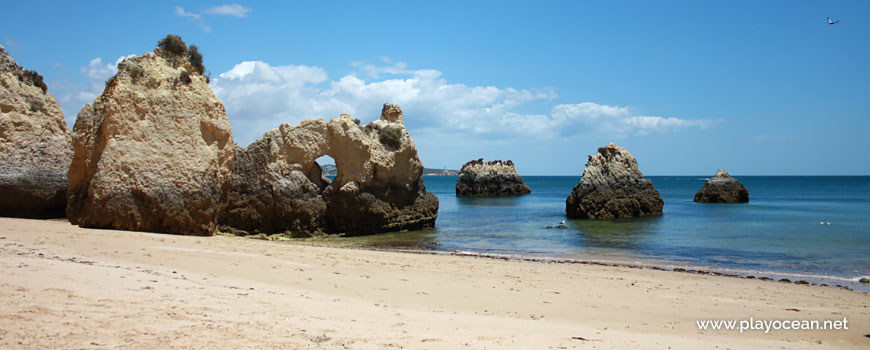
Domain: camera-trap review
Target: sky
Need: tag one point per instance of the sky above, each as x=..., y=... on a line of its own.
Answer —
x=688, y=87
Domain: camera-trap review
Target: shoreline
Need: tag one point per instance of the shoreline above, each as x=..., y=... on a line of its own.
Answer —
x=843, y=282
x=71, y=287
x=851, y=283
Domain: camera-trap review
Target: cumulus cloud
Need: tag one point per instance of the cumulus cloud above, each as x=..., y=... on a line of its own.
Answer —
x=96, y=70
x=233, y=9
x=259, y=96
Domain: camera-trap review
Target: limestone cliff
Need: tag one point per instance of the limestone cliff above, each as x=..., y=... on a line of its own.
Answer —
x=153, y=152
x=276, y=183
x=722, y=188
x=35, y=145
x=378, y=187
x=494, y=178
x=612, y=186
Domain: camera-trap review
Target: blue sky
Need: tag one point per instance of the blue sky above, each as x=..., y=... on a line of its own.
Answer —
x=755, y=87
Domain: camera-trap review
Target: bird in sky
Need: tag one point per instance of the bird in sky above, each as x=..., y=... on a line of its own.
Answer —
x=830, y=21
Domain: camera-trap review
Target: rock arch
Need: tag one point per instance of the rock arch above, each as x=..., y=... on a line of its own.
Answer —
x=277, y=185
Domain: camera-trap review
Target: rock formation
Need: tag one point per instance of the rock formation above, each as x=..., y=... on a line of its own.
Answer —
x=35, y=145
x=722, y=188
x=612, y=186
x=278, y=186
x=494, y=178
x=153, y=152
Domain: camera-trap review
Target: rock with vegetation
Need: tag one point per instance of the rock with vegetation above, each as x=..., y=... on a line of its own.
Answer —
x=35, y=145
x=379, y=186
x=611, y=187
x=278, y=186
x=722, y=188
x=153, y=152
x=478, y=178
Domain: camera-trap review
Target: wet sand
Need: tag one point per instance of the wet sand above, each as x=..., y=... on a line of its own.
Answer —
x=68, y=287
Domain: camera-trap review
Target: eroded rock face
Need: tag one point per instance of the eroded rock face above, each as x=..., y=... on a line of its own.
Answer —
x=612, y=186
x=35, y=145
x=494, y=178
x=722, y=188
x=276, y=183
x=378, y=188
x=153, y=152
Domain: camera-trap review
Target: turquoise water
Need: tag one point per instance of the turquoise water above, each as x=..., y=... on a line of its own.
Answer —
x=778, y=231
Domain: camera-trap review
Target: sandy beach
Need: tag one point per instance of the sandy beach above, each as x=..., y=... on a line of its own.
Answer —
x=67, y=287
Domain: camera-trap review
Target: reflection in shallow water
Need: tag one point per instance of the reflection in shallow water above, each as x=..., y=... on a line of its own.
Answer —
x=478, y=202
x=620, y=233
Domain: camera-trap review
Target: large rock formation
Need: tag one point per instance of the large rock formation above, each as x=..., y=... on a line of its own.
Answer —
x=494, y=178
x=153, y=152
x=722, y=188
x=278, y=186
x=35, y=145
x=612, y=186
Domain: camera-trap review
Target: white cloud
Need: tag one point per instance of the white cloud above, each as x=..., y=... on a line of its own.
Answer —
x=233, y=9
x=193, y=17
x=96, y=70
x=182, y=13
x=259, y=97
x=73, y=95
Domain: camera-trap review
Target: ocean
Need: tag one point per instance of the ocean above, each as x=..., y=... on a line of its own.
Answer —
x=779, y=233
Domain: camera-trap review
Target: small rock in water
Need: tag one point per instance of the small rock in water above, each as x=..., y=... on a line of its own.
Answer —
x=611, y=187
x=864, y=280
x=479, y=178
x=722, y=188
x=786, y=280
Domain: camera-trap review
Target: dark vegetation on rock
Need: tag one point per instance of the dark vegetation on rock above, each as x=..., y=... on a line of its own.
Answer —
x=391, y=135
x=33, y=78
x=172, y=46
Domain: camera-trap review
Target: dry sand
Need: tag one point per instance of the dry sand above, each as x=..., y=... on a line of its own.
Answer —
x=63, y=287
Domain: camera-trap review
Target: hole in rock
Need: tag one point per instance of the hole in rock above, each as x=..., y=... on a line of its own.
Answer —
x=328, y=172
x=327, y=167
